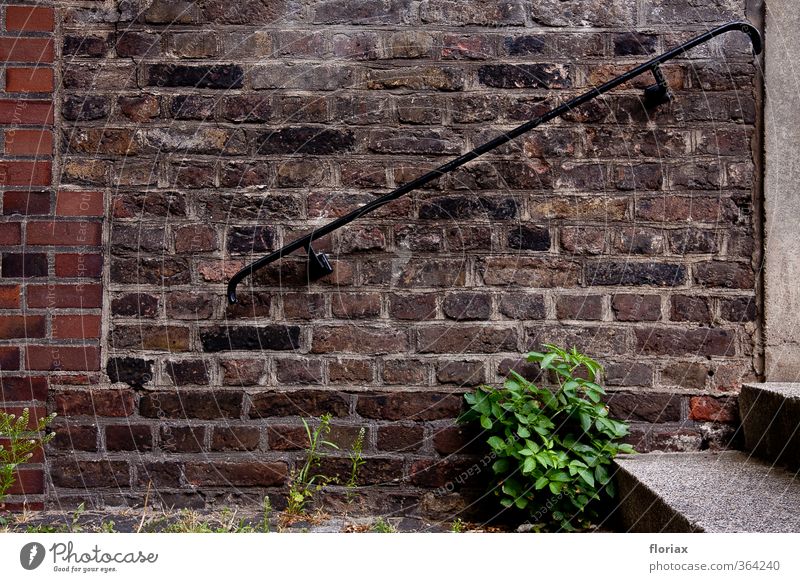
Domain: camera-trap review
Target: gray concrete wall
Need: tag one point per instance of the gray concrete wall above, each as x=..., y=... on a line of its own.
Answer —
x=782, y=190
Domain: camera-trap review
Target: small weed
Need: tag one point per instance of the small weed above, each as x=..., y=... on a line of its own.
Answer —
x=383, y=526
x=306, y=482
x=458, y=526
x=267, y=505
x=22, y=442
x=108, y=526
x=356, y=460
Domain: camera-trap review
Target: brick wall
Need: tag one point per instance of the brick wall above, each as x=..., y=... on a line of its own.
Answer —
x=220, y=130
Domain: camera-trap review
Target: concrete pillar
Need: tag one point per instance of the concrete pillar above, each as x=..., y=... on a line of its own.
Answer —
x=782, y=190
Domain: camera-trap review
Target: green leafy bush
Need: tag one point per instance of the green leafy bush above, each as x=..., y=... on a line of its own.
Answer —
x=552, y=446
x=21, y=444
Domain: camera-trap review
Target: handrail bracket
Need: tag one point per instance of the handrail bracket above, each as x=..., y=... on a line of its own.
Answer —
x=659, y=93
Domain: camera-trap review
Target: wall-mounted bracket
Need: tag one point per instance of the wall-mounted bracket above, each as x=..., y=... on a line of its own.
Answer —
x=318, y=265
x=659, y=93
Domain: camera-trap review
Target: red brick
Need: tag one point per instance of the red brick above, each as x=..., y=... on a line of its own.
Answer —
x=84, y=326
x=26, y=203
x=36, y=412
x=79, y=265
x=72, y=358
x=241, y=473
x=128, y=437
x=22, y=111
x=710, y=409
x=10, y=233
x=29, y=80
x=36, y=173
x=88, y=474
x=9, y=358
x=102, y=402
x=26, y=50
x=19, y=388
x=27, y=481
x=30, y=18
x=64, y=233
x=29, y=142
x=21, y=326
x=79, y=203
x=9, y=296
x=77, y=295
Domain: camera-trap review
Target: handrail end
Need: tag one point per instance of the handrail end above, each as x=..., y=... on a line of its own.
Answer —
x=755, y=36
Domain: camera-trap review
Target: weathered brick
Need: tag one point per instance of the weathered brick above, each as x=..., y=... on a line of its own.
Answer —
x=471, y=339
x=350, y=371
x=724, y=274
x=198, y=76
x=690, y=308
x=463, y=373
x=408, y=405
x=299, y=403
x=235, y=438
x=552, y=76
x=691, y=375
x=467, y=306
x=738, y=309
x=182, y=439
x=129, y=437
x=242, y=372
x=530, y=272
x=204, y=405
x=710, y=409
x=356, y=305
x=645, y=406
x=408, y=372
x=400, y=437
x=298, y=371
x=358, y=339
x=630, y=307
x=102, y=402
x=270, y=337
x=170, y=338
x=629, y=273
x=186, y=372
x=677, y=341
x=133, y=371
x=304, y=140
x=522, y=306
x=82, y=474
x=239, y=474
x=587, y=307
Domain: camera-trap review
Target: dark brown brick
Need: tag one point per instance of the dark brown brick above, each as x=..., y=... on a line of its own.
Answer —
x=628, y=307
x=129, y=437
x=182, y=439
x=204, y=405
x=408, y=405
x=588, y=307
x=235, y=438
x=238, y=474
x=400, y=437
x=299, y=403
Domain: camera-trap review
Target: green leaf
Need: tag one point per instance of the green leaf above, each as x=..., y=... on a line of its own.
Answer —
x=587, y=476
x=547, y=360
x=601, y=474
x=501, y=466
x=528, y=465
x=496, y=443
x=486, y=422
x=541, y=482
x=521, y=502
x=586, y=421
x=523, y=432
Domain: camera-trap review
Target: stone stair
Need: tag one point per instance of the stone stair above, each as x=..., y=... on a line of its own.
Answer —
x=757, y=490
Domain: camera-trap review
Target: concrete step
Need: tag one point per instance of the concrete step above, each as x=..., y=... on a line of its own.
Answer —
x=770, y=414
x=726, y=491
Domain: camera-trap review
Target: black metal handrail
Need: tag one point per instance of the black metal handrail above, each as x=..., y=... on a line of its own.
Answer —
x=318, y=264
